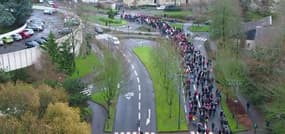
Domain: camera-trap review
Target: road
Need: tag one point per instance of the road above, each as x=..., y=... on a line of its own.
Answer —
x=99, y=116
x=136, y=108
x=53, y=23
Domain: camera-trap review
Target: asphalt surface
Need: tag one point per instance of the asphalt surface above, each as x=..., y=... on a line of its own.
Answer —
x=99, y=116
x=136, y=108
x=53, y=23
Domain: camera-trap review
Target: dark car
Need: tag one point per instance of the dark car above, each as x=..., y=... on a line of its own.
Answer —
x=31, y=43
x=44, y=38
x=40, y=41
x=172, y=8
x=99, y=30
x=65, y=31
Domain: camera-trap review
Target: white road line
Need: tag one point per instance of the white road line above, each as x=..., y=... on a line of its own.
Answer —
x=139, y=86
x=139, y=106
x=116, y=133
x=136, y=73
x=184, y=99
x=128, y=132
x=122, y=133
x=138, y=79
x=133, y=67
x=139, y=129
x=124, y=55
x=134, y=132
x=185, y=108
x=139, y=115
x=139, y=96
x=129, y=61
x=182, y=91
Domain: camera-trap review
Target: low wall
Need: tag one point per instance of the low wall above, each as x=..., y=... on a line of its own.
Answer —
x=27, y=57
x=14, y=31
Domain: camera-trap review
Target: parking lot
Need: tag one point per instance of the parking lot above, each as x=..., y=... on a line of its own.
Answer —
x=53, y=23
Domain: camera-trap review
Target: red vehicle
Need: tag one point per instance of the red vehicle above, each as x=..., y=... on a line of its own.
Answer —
x=54, y=5
x=25, y=34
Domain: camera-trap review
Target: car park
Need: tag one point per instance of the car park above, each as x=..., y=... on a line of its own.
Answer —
x=29, y=31
x=65, y=30
x=8, y=39
x=71, y=22
x=36, y=21
x=31, y=43
x=17, y=37
x=25, y=34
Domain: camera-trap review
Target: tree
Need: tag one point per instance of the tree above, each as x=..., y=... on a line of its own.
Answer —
x=74, y=87
x=17, y=99
x=110, y=75
x=20, y=9
x=226, y=20
x=66, y=59
x=64, y=119
x=111, y=14
x=51, y=48
x=10, y=125
x=166, y=59
x=7, y=18
x=4, y=76
x=245, y=5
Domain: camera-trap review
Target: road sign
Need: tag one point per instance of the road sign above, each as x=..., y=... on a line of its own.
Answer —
x=129, y=95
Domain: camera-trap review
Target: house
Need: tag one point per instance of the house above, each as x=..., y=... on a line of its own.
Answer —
x=255, y=30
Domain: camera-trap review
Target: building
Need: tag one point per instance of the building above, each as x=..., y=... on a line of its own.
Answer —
x=130, y=3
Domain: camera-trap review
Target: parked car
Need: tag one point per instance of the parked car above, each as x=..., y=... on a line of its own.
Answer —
x=115, y=40
x=54, y=5
x=31, y=43
x=30, y=31
x=40, y=41
x=25, y=34
x=65, y=30
x=99, y=30
x=49, y=11
x=8, y=39
x=35, y=27
x=36, y=21
x=160, y=7
x=1, y=42
x=16, y=37
x=172, y=8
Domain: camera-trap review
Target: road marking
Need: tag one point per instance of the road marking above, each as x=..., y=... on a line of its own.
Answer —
x=148, y=118
x=133, y=67
x=128, y=132
x=118, y=85
x=139, y=106
x=185, y=108
x=139, y=96
x=139, y=115
x=124, y=55
x=182, y=91
x=116, y=133
x=139, y=86
x=122, y=133
x=129, y=61
x=138, y=79
x=184, y=99
x=129, y=95
x=139, y=129
x=136, y=73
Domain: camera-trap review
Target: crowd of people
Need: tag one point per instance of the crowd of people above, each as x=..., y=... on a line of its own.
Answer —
x=203, y=99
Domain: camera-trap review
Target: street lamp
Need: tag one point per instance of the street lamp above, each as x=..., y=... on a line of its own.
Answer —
x=236, y=112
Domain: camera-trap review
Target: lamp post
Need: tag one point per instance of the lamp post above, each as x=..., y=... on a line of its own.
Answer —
x=236, y=112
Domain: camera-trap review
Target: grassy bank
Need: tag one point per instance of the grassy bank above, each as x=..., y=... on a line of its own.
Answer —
x=177, y=25
x=85, y=65
x=202, y=28
x=164, y=123
x=103, y=20
x=98, y=98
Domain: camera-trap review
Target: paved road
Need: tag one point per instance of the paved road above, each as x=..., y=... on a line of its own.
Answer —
x=99, y=116
x=133, y=113
x=53, y=23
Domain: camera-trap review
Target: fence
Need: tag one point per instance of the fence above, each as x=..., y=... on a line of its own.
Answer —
x=19, y=59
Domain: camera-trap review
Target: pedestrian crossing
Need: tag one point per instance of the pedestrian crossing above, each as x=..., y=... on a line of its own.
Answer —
x=200, y=38
x=195, y=132
x=135, y=132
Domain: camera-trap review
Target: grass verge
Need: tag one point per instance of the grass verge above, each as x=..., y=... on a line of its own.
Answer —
x=164, y=123
x=177, y=25
x=85, y=65
x=176, y=14
x=203, y=28
x=98, y=98
x=103, y=20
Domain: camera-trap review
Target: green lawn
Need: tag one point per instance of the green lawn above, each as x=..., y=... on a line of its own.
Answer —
x=202, y=28
x=98, y=98
x=102, y=21
x=164, y=123
x=230, y=119
x=176, y=14
x=177, y=25
x=4, y=29
x=85, y=65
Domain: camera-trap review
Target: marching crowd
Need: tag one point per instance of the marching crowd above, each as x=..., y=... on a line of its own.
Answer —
x=204, y=99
